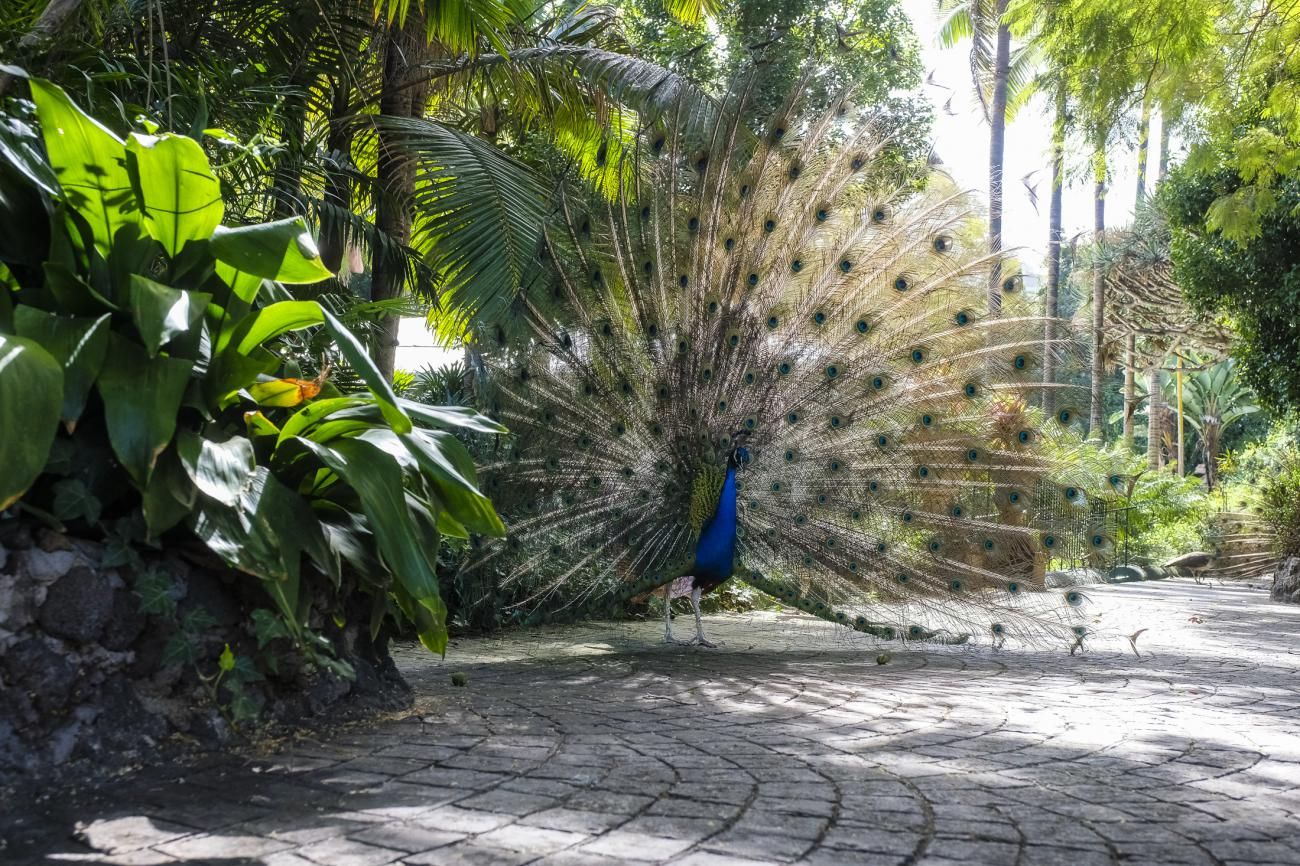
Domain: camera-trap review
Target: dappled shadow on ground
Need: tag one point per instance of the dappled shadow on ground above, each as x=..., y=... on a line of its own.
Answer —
x=595, y=744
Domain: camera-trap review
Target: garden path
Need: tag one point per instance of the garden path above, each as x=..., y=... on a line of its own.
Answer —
x=596, y=745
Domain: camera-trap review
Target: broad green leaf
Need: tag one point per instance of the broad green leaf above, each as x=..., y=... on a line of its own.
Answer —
x=78, y=344
x=31, y=391
x=221, y=470
x=90, y=162
x=182, y=197
x=141, y=398
x=270, y=322
x=450, y=470
x=312, y=414
x=162, y=313
x=259, y=426
x=282, y=251
x=377, y=479
x=244, y=285
x=361, y=362
x=462, y=417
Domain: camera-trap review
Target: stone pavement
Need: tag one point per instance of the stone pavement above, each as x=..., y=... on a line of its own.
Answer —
x=595, y=745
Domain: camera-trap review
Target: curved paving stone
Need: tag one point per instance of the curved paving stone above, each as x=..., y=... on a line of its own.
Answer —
x=596, y=745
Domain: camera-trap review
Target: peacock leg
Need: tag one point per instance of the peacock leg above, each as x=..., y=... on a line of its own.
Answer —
x=699, y=623
x=668, y=614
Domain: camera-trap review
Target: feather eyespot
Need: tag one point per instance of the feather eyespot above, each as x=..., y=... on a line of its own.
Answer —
x=901, y=284
x=796, y=266
x=752, y=279
x=819, y=318
x=862, y=326
x=846, y=265
x=729, y=244
x=769, y=225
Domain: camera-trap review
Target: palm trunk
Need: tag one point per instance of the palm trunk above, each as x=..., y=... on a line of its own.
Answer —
x=338, y=192
x=56, y=15
x=400, y=96
x=997, y=150
x=1156, y=411
x=1096, y=418
x=1052, y=298
x=1130, y=342
x=1164, y=144
x=1144, y=142
x=1130, y=389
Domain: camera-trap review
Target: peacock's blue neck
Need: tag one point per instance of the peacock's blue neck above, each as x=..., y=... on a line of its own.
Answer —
x=715, y=553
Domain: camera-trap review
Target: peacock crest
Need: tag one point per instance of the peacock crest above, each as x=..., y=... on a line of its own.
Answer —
x=790, y=281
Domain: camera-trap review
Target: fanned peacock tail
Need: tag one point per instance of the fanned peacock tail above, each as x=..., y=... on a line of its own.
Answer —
x=788, y=282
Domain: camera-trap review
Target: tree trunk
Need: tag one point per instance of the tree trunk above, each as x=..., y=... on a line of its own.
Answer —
x=338, y=192
x=400, y=96
x=1130, y=389
x=997, y=149
x=1052, y=298
x=1156, y=411
x=1164, y=144
x=1096, y=418
x=54, y=17
x=1144, y=140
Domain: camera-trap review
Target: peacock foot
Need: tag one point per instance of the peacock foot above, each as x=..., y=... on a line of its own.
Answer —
x=701, y=640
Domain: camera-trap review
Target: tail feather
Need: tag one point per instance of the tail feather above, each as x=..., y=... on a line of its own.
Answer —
x=792, y=283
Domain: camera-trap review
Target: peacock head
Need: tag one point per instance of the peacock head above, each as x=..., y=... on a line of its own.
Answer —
x=739, y=457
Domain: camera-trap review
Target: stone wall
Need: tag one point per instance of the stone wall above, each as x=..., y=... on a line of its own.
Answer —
x=85, y=680
x=1286, y=582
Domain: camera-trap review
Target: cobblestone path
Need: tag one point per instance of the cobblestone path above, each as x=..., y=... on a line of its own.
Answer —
x=595, y=745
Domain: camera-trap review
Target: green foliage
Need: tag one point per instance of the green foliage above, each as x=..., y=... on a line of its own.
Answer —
x=1256, y=284
x=1169, y=517
x=147, y=341
x=1280, y=502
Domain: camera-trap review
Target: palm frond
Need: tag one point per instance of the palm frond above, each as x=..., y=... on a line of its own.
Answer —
x=479, y=215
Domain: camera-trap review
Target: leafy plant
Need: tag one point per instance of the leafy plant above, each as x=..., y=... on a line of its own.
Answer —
x=143, y=371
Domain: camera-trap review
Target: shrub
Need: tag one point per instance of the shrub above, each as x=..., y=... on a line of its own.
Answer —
x=144, y=389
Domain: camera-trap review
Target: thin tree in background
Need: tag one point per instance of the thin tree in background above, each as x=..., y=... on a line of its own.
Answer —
x=1055, y=233
x=1003, y=82
x=1096, y=417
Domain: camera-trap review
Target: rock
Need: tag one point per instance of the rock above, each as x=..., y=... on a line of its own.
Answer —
x=125, y=621
x=50, y=541
x=17, y=608
x=47, y=566
x=77, y=606
x=41, y=671
x=1074, y=577
x=1286, y=582
x=210, y=593
x=15, y=534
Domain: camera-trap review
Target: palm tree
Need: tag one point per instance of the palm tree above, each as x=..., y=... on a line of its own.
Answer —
x=1214, y=399
x=1004, y=82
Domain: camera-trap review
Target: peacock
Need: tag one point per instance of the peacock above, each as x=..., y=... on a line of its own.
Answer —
x=772, y=355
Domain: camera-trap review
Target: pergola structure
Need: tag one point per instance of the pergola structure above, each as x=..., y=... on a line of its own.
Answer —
x=1148, y=321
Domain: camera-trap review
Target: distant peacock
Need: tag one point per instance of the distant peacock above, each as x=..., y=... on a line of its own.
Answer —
x=769, y=357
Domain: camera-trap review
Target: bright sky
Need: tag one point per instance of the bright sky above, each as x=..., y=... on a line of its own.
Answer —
x=961, y=140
